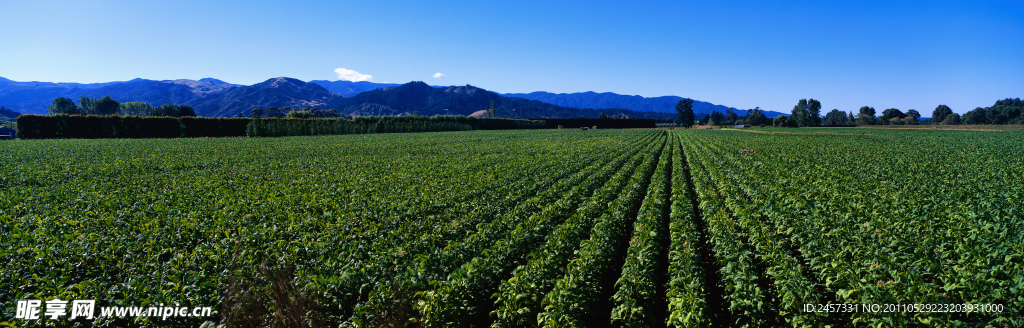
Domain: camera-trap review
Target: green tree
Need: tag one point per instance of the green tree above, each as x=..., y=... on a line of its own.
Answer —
x=913, y=113
x=299, y=114
x=892, y=113
x=783, y=121
x=891, y=116
x=169, y=110
x=684, y=112
x=813, y=112
x=135, y=108
x=1006, y=111
x=940, y=113
x=975, y=116
x=491, y=113
x=705, y=119
x=866, y=116
x=106, y=106
x=63, y=105
x=186, y=111
x=800, y=114
x=274, y=112
x=87, y=105
x=730, y=117
x=716, y=118
x=835, y=118
x=911, y=117
x=756, y=117
x=951, y=119
x=256, y=113
x=850, y=119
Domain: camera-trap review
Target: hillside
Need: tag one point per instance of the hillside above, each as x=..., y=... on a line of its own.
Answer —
x=349, y=88
x=7, y=114
x=276, y=92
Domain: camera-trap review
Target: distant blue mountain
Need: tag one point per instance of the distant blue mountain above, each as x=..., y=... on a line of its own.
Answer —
x=214, y=97
x=420, y=98
x=276, y=92
x=36, y=97
x=590, y=99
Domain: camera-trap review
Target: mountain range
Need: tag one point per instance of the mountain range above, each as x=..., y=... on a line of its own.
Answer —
x=590, y=99
x=420, y=98
x=213, y=97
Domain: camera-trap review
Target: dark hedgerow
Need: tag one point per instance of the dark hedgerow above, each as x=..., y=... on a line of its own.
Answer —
x=137, y=127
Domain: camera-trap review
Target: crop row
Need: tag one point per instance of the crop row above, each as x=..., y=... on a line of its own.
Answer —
x=581, y=297
x=412, y=270
x=434, y=266
x=687, y=287
x=748, y=297
x=463, y=296
x=639, y=298
x=519, y=298
x=832, y=223
x=197, y=221
x=789, y=288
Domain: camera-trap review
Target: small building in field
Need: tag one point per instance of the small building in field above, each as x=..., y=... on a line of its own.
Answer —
x=7, y=133
x=740, y=126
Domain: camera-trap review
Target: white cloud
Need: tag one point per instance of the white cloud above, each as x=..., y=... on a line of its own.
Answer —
x=350, y=75
x=438, y=75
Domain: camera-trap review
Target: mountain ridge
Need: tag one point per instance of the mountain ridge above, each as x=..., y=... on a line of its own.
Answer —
x=419, y=98
x=214, y=97
x=275, y=92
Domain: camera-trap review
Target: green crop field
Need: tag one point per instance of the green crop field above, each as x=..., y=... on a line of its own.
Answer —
x=523, y=228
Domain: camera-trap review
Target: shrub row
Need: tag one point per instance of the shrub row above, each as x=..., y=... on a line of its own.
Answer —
x=306, y=127
x=105, y=127
x=382, y=124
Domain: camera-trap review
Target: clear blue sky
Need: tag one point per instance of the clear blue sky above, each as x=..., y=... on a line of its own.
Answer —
x=902, y=54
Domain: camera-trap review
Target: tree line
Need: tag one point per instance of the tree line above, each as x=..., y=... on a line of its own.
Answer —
x=807, y=112
x=686, y=118
x=107, y=106
x=288, y=112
